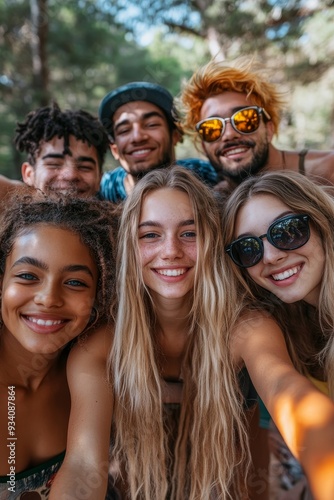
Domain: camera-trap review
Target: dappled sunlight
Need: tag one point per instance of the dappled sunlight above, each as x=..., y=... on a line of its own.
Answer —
x=307, y=425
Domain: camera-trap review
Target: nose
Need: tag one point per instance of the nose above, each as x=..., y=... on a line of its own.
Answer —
x=138, y=133
x=49, y=295
x=69, y=171
x=229, y=132
x=172, y=248
x=271, y=254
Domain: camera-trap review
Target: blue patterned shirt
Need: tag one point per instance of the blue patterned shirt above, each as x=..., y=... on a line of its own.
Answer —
x=112, y=182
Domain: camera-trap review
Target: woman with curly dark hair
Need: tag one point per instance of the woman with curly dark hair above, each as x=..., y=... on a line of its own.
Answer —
x=57, y=282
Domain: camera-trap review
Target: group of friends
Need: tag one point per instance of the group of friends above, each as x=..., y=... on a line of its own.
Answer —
x=146, y=311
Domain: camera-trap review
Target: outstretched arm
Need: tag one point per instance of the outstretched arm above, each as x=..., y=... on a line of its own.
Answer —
x=84, y=472
x=303, y=415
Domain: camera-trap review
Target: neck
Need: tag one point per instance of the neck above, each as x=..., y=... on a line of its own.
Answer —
x=24, y=369
x=172, y=333
x=276, y=159
x=172, y=311
x=129, y=183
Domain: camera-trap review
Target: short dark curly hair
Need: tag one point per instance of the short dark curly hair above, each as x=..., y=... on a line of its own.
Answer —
x=45, y=123
x=94, y=221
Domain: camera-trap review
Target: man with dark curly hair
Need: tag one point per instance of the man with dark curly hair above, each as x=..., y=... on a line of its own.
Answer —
x=65, y=151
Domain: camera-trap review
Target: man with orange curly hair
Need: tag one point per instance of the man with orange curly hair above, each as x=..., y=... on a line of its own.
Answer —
x=235, y=111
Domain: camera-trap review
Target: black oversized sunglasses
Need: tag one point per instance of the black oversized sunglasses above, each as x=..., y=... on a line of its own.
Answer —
x=288, y=233
x=245, y=121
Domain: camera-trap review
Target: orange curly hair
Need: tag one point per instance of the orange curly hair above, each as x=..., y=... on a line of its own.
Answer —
x=242, y=75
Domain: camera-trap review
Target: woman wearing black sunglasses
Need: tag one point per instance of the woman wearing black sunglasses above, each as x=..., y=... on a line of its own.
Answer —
x=278, y=231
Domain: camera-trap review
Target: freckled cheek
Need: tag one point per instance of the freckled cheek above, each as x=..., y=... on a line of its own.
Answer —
x=146, y=255
x=192, y=253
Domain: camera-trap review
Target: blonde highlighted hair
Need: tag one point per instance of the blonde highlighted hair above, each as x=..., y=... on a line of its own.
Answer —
x=302, y=196
x=211, y=450
x=241, y=75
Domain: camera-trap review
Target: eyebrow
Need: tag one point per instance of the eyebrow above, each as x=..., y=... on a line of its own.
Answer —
x=85, y=158
x=42, y=265
x=53, y=155
x=144, y=116
x=61, y=156
x=152, y=223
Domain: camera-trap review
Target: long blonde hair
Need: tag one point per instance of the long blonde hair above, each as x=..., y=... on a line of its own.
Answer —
x=302, y=196
x=211, y=451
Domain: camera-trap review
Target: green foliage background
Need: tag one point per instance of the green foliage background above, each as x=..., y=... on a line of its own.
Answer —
x=90, y=47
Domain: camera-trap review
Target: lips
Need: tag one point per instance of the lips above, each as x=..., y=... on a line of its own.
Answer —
x=44, y=324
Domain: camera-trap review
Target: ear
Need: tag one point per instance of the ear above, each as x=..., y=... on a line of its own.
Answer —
x=28, y=173
x=114, y=151
x=176, y=137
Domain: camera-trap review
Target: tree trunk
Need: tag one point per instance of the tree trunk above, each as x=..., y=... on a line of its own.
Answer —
x=38, y=42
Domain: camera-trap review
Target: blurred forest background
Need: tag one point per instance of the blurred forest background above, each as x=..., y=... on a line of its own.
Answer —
x=77, y=51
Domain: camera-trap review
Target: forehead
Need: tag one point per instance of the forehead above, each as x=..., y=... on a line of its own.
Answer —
x=225, y=104
x=166, y=204
x=52, y=244
x=259, y=212
x=77, y=148
x=136, y=111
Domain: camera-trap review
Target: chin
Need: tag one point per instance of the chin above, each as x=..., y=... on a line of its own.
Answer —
x=290, y=299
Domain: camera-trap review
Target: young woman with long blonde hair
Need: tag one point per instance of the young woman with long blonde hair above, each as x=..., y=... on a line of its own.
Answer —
x=279, y=231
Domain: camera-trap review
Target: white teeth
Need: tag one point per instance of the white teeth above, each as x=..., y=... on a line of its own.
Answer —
x=141, y=152
x=47, y=322
x=235, y=151
x=286, y=274
x=171, y=272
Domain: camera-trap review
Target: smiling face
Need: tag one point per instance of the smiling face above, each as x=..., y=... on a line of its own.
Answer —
x=48, y=289
x=74, y=170
x=235, y=154
x=143, y=140
x=167, y=243
x=291, y=275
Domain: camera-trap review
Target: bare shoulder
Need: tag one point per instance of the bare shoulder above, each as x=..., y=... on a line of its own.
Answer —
x=320, y=166
x=254, y=332
x=94, y=348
